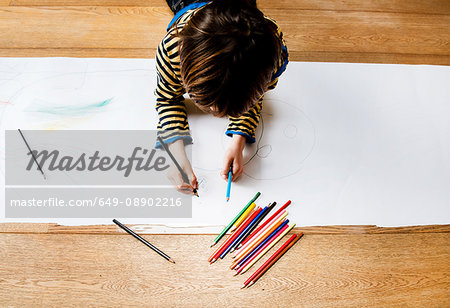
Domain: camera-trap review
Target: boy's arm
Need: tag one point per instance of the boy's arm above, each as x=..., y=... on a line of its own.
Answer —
x=172, y=124
x=246, y=124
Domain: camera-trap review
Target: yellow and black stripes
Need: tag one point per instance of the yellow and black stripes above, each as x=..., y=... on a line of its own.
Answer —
x=173, y=123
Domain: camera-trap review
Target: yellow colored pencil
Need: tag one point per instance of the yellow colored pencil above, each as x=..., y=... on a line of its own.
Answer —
x=243, y=216
x=260, y=255
x=259, y=239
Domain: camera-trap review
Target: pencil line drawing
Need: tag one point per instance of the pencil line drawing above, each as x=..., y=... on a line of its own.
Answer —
x=295, y=153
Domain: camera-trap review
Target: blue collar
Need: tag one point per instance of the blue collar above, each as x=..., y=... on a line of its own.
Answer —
x=184, y=10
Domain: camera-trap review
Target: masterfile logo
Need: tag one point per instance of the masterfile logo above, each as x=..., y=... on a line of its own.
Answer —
x=89, y=174
x=85, y=157
x=140, y=159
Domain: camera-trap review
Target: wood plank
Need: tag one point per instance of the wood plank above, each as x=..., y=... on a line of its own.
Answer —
x=319, y=271
x=79, y=52
x=324, y=31
x=53, y=228
x=4, y=2
x=367, y=57
x=142, y=3
x=82, y=27
x=317, y=56
x=305, y=31
x=24, y=227
x=398, y=6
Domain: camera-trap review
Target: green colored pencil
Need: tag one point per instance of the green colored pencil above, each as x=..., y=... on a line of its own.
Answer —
x=234, y=220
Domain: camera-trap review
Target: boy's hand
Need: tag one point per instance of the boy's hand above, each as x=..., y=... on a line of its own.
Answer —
x=234, y=156
x=174, y=175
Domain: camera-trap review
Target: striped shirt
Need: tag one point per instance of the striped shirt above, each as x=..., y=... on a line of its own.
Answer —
x=173, y=123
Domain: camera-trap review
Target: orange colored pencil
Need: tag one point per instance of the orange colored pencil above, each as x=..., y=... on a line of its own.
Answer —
x=233, y=236
x=266, y=222
x=274, y=258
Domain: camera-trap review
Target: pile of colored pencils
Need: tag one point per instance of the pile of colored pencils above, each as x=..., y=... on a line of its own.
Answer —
x=252, y=237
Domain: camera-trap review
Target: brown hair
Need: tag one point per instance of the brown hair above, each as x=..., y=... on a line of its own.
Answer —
x=228, y=53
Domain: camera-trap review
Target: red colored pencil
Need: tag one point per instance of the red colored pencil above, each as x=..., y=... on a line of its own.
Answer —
x=235, y=234
x=265, y=223
x=274, y=258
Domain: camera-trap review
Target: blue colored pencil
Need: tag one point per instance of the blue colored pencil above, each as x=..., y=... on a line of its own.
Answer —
x=255, y=250
x=236, y=240
x=230, y=176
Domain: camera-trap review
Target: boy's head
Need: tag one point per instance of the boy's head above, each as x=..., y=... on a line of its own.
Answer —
x=228, y=52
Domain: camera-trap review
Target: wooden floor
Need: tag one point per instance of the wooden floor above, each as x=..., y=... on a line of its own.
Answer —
x=353, y=266
x=353, y=270
x=381, y=31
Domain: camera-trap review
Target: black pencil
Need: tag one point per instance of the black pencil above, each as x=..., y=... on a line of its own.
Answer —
x=162, y=254
x=32, y=154
x=183, y=174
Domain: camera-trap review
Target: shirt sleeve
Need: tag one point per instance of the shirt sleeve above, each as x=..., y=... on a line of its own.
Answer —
x=172, y=116
x=246, y=124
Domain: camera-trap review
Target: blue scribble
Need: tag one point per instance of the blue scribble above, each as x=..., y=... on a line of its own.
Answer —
x=73, y=110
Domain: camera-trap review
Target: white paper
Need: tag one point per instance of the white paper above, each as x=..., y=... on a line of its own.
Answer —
x=347, y=143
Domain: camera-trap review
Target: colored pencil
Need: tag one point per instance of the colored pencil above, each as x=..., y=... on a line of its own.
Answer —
x=252, y=249
x=32, y=154
x=243, y=216
x=183, y=174
x=266, y=222
x=225, y=230
x=249, y=227
x=242, y=232
x=233, y=236
x=264, y=249
x=254, y=254
x=137, y=236
x=238, y=234
x=254, y=225
x=261, y=237
x=241, y=265
x=230, y=177
x=271, y=261
x=258, y=234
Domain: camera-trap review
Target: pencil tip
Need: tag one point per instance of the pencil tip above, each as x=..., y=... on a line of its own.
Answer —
x=212, y=261
x=212, y=245
x=171, y=260
x=228, y=199
x=243, y=286
x=235, y=274
x=44, y=176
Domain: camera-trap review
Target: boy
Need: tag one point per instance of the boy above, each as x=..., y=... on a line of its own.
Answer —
x=225, y=55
